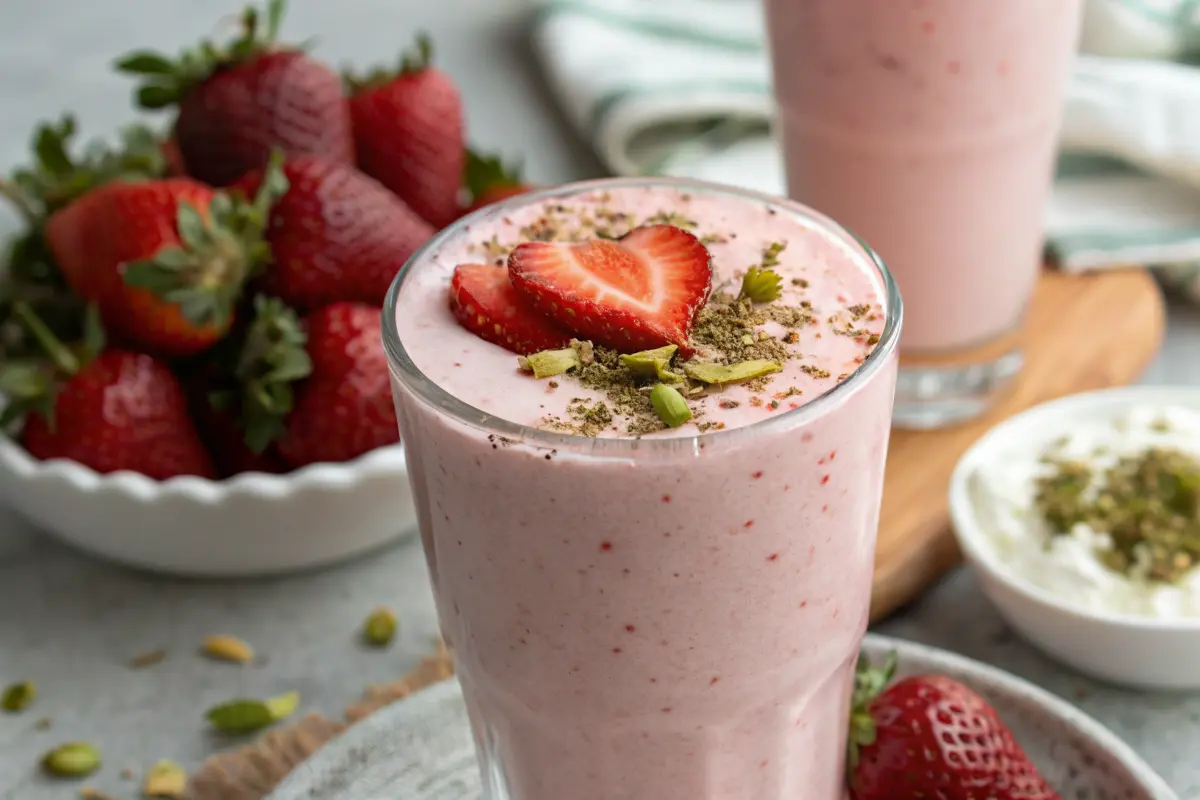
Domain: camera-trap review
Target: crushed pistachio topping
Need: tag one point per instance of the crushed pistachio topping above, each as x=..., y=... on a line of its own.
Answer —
x=653, y=364
x=761, y=285
x=745, y=337
x=548, y=363
x=731, y=373
x=670, y=406
x=1148, y=504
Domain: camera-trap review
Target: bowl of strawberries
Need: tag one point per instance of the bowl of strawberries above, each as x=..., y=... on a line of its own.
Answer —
x=192, y=374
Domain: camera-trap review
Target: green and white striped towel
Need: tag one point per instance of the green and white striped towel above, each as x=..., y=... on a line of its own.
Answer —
x=682, y=87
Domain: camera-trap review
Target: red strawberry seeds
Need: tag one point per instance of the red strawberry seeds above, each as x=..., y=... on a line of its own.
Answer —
x=637, y=293
x=930, y=736
x=485, y=303
x=337, y=235
x=408, y=130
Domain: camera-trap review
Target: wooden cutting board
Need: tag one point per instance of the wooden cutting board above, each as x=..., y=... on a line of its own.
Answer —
x=1084, y=332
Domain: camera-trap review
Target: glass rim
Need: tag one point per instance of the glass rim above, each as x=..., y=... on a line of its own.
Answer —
x=406, y=371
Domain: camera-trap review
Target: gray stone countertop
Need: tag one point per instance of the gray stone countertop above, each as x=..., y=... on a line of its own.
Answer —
x=71, y=624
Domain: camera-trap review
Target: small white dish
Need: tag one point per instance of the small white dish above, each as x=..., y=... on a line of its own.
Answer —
x=253, y=524
x=420, y=748
x=1141, y=651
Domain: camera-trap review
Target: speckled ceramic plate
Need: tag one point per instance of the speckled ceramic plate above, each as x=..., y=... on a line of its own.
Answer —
x=420, y=749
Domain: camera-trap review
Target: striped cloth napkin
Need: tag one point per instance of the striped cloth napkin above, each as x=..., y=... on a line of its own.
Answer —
x=682, y=88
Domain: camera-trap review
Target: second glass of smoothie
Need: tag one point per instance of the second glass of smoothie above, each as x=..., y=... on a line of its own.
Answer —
x=928, y=127
x=641, y=612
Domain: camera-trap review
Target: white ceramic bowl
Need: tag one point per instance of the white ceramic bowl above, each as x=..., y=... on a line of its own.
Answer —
x=250, y=525
x=1138, y=651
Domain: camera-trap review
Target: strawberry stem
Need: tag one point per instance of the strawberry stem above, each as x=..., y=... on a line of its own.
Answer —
x=166, y=81
x=218, y=252
x=482, y=173
x=869, y=682
x=272, y=359
x=20, y=202
x=58, y=353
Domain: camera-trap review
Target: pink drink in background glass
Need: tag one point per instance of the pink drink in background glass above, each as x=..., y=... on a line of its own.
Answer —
x=669, y=617
x=928, y=127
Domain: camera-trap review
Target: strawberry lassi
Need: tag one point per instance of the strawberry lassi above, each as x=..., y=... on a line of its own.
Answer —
x=646, y=425
x=929, y=128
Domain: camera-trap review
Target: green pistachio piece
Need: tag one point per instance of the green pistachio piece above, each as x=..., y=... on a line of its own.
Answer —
x=246, y=716
x=17, y=697
x=730, y=373
x=72, y=760
x=549, y=363
x=653, y=363
x=762, y=285
x=669, y=405
x=379, y=628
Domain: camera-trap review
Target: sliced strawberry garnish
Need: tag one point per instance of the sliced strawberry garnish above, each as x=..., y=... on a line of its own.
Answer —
x=637, y=293
x=485, y=303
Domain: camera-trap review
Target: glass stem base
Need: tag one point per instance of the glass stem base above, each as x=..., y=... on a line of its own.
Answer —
x=937, y=391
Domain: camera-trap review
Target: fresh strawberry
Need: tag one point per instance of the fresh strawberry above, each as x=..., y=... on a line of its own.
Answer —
x=489, y=181
x=344, y=407
x=637, y=293
x=57, y=175
x=484, y=302
x=173, y=159
x=336, y=235
x=165, y=261
x=108, y=409
x=930, y=736
x=238, y=101
x=408, y=130
x=226, y=440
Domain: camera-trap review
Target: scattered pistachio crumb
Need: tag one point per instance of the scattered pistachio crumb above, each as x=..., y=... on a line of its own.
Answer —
x=247, y=716
x=166, y=780
x=379, y=628
x=88, y=793
x=18, y=697
x=227, y=648
x=71, y=760
x=148, y=659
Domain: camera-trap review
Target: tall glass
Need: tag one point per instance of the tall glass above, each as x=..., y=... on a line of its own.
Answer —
x=929, y=127
x=620, y=627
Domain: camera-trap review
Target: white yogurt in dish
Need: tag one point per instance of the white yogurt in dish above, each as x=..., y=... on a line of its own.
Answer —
x=1067, y=565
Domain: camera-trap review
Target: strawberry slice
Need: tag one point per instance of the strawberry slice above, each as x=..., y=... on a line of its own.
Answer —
x=637, y=293
x=485, y=303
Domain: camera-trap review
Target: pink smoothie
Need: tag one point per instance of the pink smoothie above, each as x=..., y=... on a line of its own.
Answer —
x=671, y=616
x=928, y=127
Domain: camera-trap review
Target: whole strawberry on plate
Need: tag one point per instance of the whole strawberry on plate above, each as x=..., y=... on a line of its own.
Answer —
x=489, y=180
x=165, y=261
x=320, y=391
x=106, y=408
x=238, y=101
x=335, y=235
x=408, y=130
x=930, y=737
